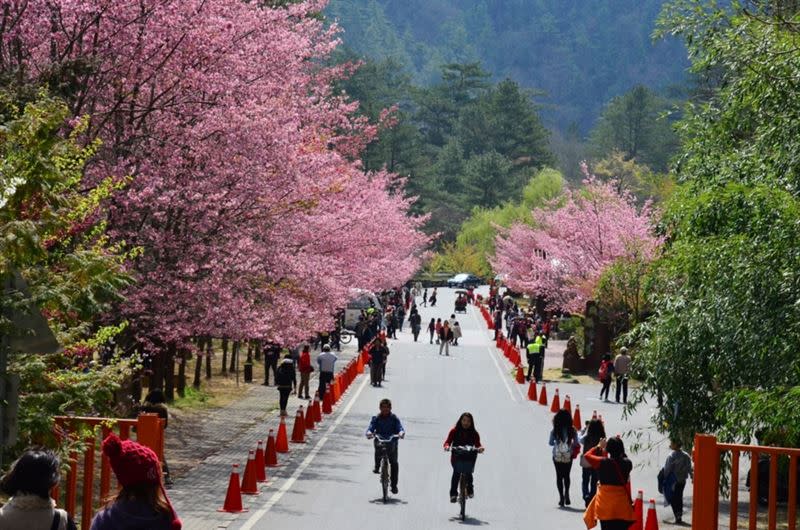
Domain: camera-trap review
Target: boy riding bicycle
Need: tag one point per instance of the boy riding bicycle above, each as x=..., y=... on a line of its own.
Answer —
x=384, y=426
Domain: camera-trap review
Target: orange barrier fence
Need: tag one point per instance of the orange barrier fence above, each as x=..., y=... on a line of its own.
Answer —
x=149, y=431
x=705, y=506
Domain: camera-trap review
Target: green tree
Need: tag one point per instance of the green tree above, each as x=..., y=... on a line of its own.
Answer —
x=633, y=124
x=489, y=180
x=51, y=231
x=726, y=322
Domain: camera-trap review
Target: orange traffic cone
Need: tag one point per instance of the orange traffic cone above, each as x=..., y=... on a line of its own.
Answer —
x=556, y=406
x=271, y=456
x=638, y=511
x=233, y=497
x=298, y=432
x=567, y=404
x=360, y=364
x=520, y=375
x=282, y=442
x=652, y=518
x=309, y=417
x=532, y=390
x=249, y=483
x=543, y=395
x=261, y=465
x=336, y=393
x=576, y=418
x=316, y=408
x=327, y=406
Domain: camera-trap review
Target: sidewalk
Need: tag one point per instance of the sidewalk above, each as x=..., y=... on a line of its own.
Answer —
x=223, y=437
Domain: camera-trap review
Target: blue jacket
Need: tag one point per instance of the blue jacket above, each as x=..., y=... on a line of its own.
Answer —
x=385, y=426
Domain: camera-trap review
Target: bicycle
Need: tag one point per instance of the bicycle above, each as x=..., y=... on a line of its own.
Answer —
x=463, y=468
x=383, y=445
x=345, y=336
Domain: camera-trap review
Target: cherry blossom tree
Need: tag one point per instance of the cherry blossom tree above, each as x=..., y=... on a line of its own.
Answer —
x=250, y=215
x=575, y=238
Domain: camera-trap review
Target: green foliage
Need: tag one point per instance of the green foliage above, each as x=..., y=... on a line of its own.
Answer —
x=462, y=143
x=572, y=50
x=721, y=346
x=635, y=125
x=621, y=294
x=51, y=231
x=636, y=178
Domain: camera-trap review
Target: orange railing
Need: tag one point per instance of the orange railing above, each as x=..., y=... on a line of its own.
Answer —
x=705, y=507
x=149, y=431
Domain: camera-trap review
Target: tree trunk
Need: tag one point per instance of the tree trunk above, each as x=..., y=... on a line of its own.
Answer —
x=182, y=373
x=258, y=350
x=198, y=367
x=234, y=355
x=209, y=354
x=224, y=356
x=169, y=373
x=157, y=377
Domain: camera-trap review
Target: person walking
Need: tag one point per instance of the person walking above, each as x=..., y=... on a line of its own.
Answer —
x=604, y=373
x=456, y=332
x=432, y=299
x=438, y=329
x=326, y=361
x=305, y=369
x=415, y=321
x=272, y=354
x=679, y=464
x=400, y=314
x=445, y=338
x=28, y=483
x=425, y=298
x=286, y=381
x=612, y=505
x=622, y=367
x=498, y=322
x=593, y=433
x=141, y=503
x=432, y=328
x=377, y=361
x=564, y=440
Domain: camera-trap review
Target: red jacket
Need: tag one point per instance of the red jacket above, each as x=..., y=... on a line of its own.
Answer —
x=470, y=437
x=305, y=363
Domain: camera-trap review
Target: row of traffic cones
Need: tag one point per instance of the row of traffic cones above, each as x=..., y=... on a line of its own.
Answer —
x=266, y=453
x=512, y=354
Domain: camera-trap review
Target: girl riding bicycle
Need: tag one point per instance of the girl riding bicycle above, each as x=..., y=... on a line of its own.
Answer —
x=463, y=433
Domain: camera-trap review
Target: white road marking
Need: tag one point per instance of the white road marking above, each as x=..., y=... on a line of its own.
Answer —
x=261, y=512
x=503, y=377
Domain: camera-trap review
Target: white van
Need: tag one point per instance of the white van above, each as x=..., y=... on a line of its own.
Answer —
x=361, y=300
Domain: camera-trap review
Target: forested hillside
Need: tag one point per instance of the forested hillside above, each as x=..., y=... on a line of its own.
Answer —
x=580, y=53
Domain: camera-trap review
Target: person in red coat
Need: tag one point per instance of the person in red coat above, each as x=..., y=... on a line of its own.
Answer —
x=463, y=433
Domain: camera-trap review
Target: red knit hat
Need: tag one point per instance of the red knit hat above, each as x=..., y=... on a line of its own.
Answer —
x=134, y=463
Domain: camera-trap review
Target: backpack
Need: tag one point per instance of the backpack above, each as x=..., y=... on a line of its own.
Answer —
x=563, y=452
x=602, y=373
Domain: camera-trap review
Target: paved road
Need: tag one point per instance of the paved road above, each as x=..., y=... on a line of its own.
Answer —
x=333, y=487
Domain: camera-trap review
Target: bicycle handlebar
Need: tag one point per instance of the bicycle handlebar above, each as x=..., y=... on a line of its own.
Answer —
x=463, y=448
x=386, y=440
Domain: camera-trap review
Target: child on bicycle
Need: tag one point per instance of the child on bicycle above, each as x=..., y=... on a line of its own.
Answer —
x=385, y=425
x=463, y=433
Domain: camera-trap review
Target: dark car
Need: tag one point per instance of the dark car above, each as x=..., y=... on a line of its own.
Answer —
x=464, y=281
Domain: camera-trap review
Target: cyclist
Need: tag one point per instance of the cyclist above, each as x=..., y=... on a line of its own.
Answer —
x=385, y=425
x=463, y=433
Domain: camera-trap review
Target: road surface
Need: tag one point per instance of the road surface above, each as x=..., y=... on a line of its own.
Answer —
x=333, y=487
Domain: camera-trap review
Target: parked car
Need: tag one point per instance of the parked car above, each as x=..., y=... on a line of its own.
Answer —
x=464, y=280
x=360, y=300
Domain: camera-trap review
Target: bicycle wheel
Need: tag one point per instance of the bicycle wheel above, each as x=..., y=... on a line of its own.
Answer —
x=462, y=488
x=345, y=338
x=385, y=478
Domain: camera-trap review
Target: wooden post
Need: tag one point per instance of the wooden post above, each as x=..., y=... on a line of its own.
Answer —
x=706, y=483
